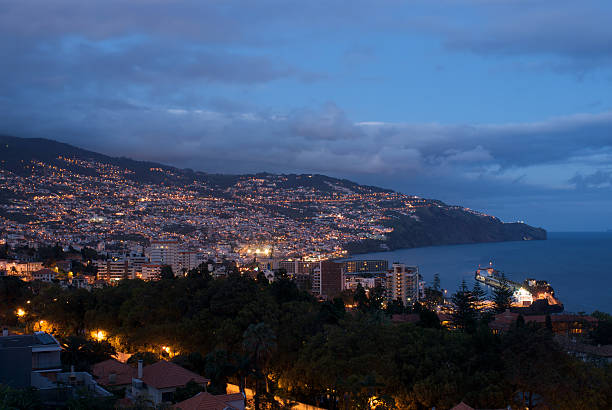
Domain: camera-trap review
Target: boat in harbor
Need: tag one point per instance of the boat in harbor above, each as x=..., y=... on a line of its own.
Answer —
x=531, y=295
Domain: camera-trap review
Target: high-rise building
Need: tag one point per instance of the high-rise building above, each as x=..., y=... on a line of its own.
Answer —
x=297, y=266
x=165, y=253
x=113, y=270
x=331, y=279
x=151, y=271
x=366, y=266
x=185, y=261
x=136, y=262
x=403, y=283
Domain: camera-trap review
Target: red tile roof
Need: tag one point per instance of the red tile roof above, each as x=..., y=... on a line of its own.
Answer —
x=231, y=397
x=206, y=401
x=165, y=374
x=462, y=406
x=503, y=321
x=123, y=372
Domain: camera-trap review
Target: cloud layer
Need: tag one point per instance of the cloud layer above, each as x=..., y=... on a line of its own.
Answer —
x=292, y=86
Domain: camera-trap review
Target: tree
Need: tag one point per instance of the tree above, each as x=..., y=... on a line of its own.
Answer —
x=532, y=364
x=464, y=313
x=479, y=294
x=191, y=389
x=259, y=342
x=396, y=306
x=17, y=399
x=83, y=353
x=502, y=296
x=376, y=298
x=218, y=368
x=603, y=333
x=360, y=298
x=166, y=272
x=146, y=357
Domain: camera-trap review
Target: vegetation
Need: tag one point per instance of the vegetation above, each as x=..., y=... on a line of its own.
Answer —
x=502, y=296
x=281, y=342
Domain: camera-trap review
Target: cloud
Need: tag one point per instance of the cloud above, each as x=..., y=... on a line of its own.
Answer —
x=234, y=86
x=327, y=123
x=597, y=180
x=570, y=36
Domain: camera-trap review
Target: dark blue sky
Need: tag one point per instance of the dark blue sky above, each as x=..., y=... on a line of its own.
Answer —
x=499, y=105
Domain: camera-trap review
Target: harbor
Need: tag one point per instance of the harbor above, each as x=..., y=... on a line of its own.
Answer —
x=530, y=295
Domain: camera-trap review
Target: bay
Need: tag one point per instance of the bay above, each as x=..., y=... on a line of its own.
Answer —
x=577, y=265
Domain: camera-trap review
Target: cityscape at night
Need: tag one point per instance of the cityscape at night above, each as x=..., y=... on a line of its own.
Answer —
x=285, y=204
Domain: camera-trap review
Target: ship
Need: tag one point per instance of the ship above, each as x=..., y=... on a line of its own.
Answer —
x=530, y=296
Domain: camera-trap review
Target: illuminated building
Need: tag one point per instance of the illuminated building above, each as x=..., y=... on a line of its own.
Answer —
x=151, y=271
x=366, y=266
x=186, y=260
x=44, y=275
x=297, y=266
x=113, y=270
x=328, y=279
x=403, y=284
x=165, y=253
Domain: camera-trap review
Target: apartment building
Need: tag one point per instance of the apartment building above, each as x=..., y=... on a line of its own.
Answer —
x=164, y=253
x=403, y=283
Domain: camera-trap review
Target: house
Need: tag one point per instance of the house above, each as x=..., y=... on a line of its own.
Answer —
x=34, y=361
x=45, y=275
x=158, y=382
x=562, y=324
x=207, y=401
x=27, y=359
x=599, y=355
x=114, y=375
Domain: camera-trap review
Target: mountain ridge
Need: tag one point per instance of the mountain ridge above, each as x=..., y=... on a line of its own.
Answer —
x=330, y=206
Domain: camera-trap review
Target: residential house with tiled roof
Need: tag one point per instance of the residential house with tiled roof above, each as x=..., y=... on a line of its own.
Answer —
x=207, y=401
x=159, y=381
x=114, y=375
x=562, y=324
x=45, y=275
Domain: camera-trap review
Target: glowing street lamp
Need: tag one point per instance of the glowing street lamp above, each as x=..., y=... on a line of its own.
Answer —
x=99, y=335
x=21, y=312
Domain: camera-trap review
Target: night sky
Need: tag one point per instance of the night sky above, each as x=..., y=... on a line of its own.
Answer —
x=500, y=105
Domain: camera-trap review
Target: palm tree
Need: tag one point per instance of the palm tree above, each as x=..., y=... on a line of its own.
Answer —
x=259, y=342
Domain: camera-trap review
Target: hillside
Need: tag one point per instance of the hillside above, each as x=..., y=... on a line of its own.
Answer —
x=57, y=191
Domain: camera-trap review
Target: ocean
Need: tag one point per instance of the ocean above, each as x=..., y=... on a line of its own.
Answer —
x=577, y=265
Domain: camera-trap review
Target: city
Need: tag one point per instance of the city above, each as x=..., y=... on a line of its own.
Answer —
x=305, y=205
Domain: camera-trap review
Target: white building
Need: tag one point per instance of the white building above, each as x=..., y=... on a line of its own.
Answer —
x=185, y=261
x=151, y=271
x=403, y=283
x=165, y=253
x=19, y=268
x=522, y=297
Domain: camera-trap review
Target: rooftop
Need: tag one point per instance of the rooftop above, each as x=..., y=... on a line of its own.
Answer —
x=165, y=374
x=207, y=401
x=35, y=340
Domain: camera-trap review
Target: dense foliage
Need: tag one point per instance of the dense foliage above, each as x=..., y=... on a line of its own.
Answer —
x=282, y=342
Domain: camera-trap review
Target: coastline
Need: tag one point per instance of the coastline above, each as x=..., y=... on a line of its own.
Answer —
x=576, y=264
x=438, y=245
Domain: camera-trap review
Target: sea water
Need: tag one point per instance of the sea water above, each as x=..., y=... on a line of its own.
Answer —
x=577, y=265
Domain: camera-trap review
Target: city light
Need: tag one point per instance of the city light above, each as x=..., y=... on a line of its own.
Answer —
x=21, y=312
x=98, y=335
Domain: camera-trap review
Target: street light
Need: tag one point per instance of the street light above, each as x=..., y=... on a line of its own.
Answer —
x=21, y=312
